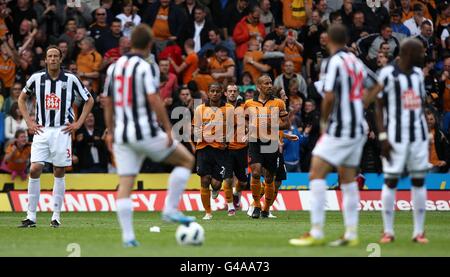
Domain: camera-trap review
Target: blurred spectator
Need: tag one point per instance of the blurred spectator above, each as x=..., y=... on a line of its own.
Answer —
x=219, y=14
x=222, y=67
x=82, y=14
x=370, y=45
x=252, y=60
x=293, y=50
x=203, y=76
x=439, y=146
x=5, y=13
x=406, y=9
x=170, y=84
x=89, y=62
x=110, y=39
x=8, y=62
x=289, y=74
x=13, y=122
x=310, y=34
x=397, y=25
x=310, y=117
x=189, y=7
x=248, y=28
x=427, y=39
x=167, y=21
x=346, y=13
x=376, y=16
x=79, y=36
x=17, y=155
x=49, y=20
x=173, y=51
x=295, y=13
x=359, y=29
x=234, y=14
x=291, y=148
x=414, y=23
x=198, y=28
x=112, y=55
x=189, y=65
x=214, y=40
x=278, y=35
x=315, y=58
x=272, y=58
x=266, y=17
x=99, y=28
x=90, y=148
x=246, y=83
x=129, y=19
x=445, y=96
x=20, y=10
x=250, y=94
x=12, y=98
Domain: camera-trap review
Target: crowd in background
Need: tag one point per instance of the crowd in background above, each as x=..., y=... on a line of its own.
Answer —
x=229, y=41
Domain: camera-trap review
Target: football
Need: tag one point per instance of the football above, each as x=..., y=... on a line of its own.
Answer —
x=192, y=234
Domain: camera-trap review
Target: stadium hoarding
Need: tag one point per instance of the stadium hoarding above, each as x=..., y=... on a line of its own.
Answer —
x=96, y=201
x=5, y=204
x=158, y=181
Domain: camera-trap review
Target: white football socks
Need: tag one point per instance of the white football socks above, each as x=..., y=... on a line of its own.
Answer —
x=318, y=189
x=388, y=200
x=177, y=183
x=59, y=188
x=34, y=190
x=350, y=208
x=125, y=216
x=419, y=200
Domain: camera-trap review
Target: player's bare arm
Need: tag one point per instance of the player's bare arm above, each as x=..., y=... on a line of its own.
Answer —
x=161, y=114
x=371, y=94
x=109, y=119
x=32, y=126
x=382, y=135
x=327, y=107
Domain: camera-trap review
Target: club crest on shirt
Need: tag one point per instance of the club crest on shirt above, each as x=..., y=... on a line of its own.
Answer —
x=52, y=102
x=411, y=101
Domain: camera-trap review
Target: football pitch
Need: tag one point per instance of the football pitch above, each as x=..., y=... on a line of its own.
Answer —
x=98, y=234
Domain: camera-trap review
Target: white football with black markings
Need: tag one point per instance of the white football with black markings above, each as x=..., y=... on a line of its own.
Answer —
x=192, y=234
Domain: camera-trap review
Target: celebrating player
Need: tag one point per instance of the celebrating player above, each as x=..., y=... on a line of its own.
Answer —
x=263, y=141
x=55, y=91
x=236, y=154
x=342, y=142
x=210, y=138
x=403, y=135
x=131, y=102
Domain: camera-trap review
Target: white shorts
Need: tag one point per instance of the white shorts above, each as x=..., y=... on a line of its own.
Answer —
x=340, y=151
x=52, y=146
x=413, y=155
x=129, y=156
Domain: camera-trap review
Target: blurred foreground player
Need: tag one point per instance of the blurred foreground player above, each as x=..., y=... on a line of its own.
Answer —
x=342, y=142
x=132, y=110
x=404, y=135
x=55, y=91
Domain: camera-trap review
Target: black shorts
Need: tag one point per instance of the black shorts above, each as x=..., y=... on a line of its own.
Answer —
x=267, y=160
x=237, y=164
x=211, y=162
x=280, y=175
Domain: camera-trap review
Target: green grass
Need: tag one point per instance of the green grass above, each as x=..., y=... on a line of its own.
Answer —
x=98, y=234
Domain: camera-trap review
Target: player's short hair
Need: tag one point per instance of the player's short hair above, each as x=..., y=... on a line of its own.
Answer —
x=258, y=81
x=217, y=84
x=141, y=36
x=338, y=34
x=53, y=47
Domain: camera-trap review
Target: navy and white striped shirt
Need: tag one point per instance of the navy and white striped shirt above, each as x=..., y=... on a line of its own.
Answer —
x=346, y=76
x=404, y=98
x=54, y=98
x=128, y=82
